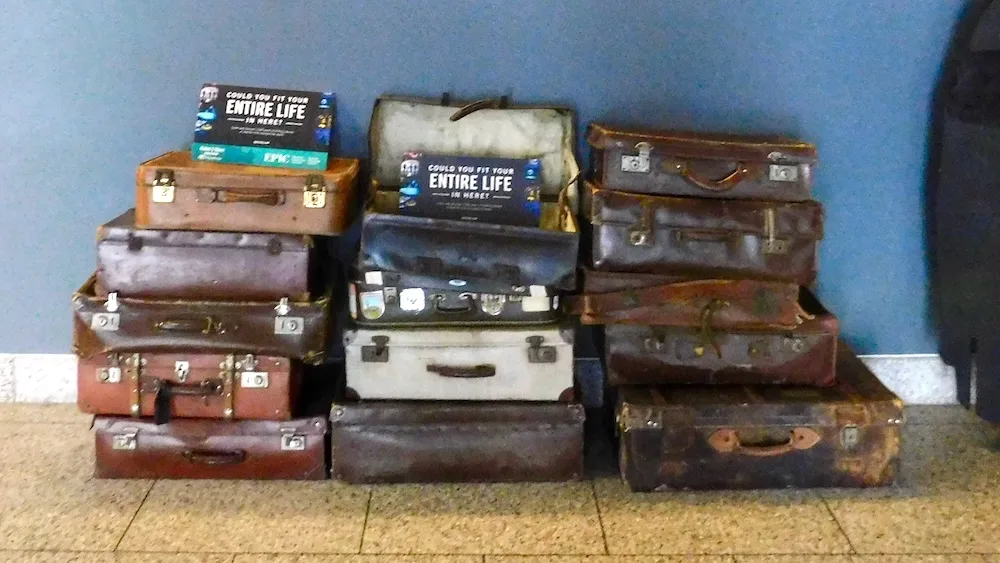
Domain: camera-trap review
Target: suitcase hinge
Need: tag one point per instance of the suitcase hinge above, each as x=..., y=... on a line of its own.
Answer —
x=538, y=354
x=127, y=441
x=163, y=186
x=639, y=162
x=133, y=365
x=314, y=192
x=379, y=353
x=112, y=373
x=771, y=244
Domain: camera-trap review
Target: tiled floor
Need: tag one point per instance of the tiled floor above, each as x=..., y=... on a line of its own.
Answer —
x=947, y=509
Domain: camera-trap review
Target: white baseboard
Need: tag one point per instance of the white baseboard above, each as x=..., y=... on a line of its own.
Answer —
x=919, y=379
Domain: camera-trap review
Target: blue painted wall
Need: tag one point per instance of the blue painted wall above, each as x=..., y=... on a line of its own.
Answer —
x=90, y=89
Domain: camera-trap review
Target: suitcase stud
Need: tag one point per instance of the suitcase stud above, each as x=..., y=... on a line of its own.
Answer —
x=492, y=304
x=640, y=162
x=314, y=192
x=538, y=354
x=127, y=440
x=163, y=186
x=379, y=353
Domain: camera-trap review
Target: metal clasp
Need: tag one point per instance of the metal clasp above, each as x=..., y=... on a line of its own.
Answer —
x=538, y=354
x=182, y=369
x=128, y=440
x=492, y=304
x=772, y=245
x=379, y=353
x=287, y=325
x=314, y=192
x=642, y=235
x=163, y=186
x=291, y=442
x=639, y=162
x=112, y=373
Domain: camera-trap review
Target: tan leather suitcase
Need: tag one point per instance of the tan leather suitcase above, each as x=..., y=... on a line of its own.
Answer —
x=175, y=192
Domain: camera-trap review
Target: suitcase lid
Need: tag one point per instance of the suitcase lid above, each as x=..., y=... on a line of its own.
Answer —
x=492, y=337
x=485, y=128
x=122, y=229
x=857, y=398
x=707, y=146
x=187, y=173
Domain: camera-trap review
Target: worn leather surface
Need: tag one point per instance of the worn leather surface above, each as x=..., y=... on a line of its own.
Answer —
x=160, y=325
x=228, y=197
x=202, y=393
x=210, y=449
x=154, y=263
x=396, y=442
x=704, y=237
x=448, y=308
x=730, y=304
x=652, y=355
x=691, y=164
x=741, y=437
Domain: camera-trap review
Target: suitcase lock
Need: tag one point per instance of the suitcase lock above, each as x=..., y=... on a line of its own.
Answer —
x=538, y=354
x=292, y=442
x=112, y=373
x=163, y=186
x=127, y=440
x=379, y=353
x=314, y=192
x=109, y=321
x=639, y=162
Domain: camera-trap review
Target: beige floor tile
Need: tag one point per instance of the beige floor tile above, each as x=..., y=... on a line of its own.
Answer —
x=940, y=414
x=793, y=559
x=609, y=559
x=544, y=518
x=288, y=558
x=39, y=454
x=91, y=557
x=946, y=457
x=68, y=515
x=249, y=516
x=46, y=413
x=862, y=559
x=716, y=523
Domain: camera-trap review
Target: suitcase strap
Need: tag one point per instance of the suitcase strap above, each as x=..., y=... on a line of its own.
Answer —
x=165, y=390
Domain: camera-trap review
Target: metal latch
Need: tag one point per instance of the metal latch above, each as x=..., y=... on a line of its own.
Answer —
x=163, y=186
x=112, y=373
x=492, y=304
x=287, y=325
x=850, y=436
x=538, y=354
x=109, y=321
x=291, y=442
x=379, y=353
x=314, y=192
x=182, y=369
x=127, y=440
x=639, y=162
x=772, y=245
x=250, y=379
x=783, y=173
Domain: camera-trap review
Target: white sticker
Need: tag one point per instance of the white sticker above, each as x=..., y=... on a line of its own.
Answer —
x=352, y=301
x=412, y=299
x=538, y=291
x=535, y=304
x=373, y=278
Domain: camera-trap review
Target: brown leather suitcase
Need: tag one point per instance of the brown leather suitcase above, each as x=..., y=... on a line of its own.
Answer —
x=705, y=238
x=153, y=263
x=648, y=355
x=473, y=256
x=188, y=385
x=686, y=164
x=663, y=300
x=175, y=192
x=285, y=328
x=765, y=436
x=129, y=448
x=423, y=442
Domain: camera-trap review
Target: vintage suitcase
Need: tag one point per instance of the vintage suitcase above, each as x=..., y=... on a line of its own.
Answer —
x=689, y=164
x=497, y=364
x=396, y=442
x=765, y=436
x=474, y=255
x=284, y=328
x=175, y=192
x=705, y=237
x=188, y=385
x=129, y=448
x=648, y=355
x=718, y=304
x=136, y=262
x=375, y=305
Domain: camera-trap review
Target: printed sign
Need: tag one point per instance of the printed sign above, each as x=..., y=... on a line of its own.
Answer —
x=263, y=126
x=504, y=191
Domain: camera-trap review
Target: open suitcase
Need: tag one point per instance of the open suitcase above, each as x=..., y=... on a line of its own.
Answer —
x=175, y=192
x=763, y=436
x=496, y=364
x=687, y=164
x=472, y=256
x=158, y=264
x=397, y=442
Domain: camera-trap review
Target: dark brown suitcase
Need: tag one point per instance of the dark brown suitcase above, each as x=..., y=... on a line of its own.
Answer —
x=705, y=238
x=128, y=448
x=175, y=192
x=290, y=329
x=660, y=300
x=651, y=355
x=188, y=385
x=475, y=255
x=425, y=442
x=767, y=436
x=689, y=164
x=136, y=262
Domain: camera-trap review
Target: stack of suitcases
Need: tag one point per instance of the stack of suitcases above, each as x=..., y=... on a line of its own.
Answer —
x=209, y=309
x=460, y=366
x=728, y=371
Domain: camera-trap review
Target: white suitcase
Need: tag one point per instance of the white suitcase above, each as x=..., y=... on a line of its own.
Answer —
x=497, y=364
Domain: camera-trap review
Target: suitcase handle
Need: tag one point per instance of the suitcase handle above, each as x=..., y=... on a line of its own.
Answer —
x=470, y=304
x=728, y=182
x=206, y=325
x=465, y=372
x=208, y=457
x=206, y=388
x=699, y=235
x=227, y=195
x=727, y=440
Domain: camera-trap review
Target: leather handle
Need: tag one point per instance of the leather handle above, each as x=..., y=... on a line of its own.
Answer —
x=470, y=305
x=228, y=195
x=495, y=103
x=206, y=388
x=727, y=440
x=726, y=183
x=212, y=457
x=464, y=372
x=699, y=235
x=204, y=325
